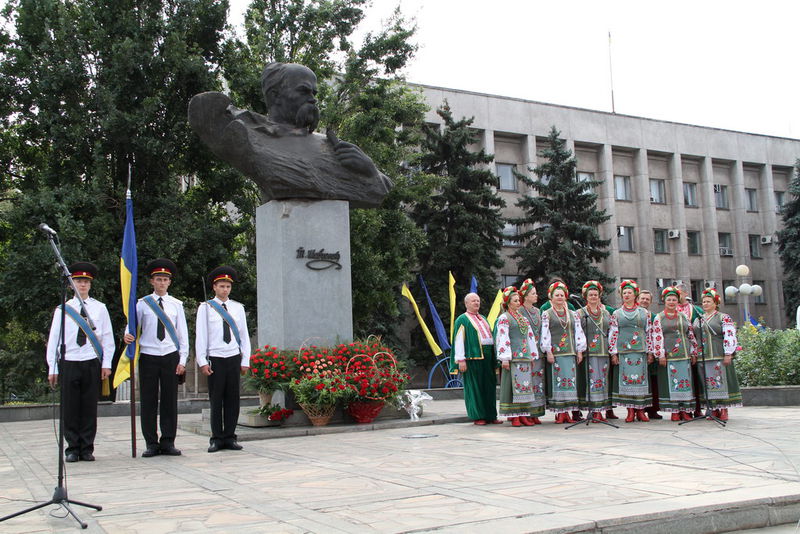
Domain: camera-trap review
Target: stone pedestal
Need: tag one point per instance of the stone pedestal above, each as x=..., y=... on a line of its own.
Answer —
x=304, y=286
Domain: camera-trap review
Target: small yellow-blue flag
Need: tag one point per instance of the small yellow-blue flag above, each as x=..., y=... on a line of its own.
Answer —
x=494, y=312
x=451, y=287
x=434, y=346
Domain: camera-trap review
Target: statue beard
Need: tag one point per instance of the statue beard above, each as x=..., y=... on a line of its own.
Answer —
x=307, y=116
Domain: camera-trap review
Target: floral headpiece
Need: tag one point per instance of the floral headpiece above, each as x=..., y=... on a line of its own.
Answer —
x=670, y=290
x=631, y=284
x=557, y=285
x=509, y=292
x=526, y=287
x=591, y=284
x=713, y=293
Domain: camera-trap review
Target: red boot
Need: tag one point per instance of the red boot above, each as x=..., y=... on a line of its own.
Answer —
x=515, y=421
x=559, y=418
x=598, y=417
x=567, y=418
x=723, y=414
x=610, y=414
x=686, y=416
x=676, y=416
x=480, y=422
x=536, y=421
x=641, y=416
x=631, y=415
x=525, y=421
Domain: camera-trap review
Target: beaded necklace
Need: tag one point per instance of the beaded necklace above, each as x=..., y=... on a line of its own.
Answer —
x=522, y=322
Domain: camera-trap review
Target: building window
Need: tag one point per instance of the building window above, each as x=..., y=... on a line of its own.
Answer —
x=658, y=191
x=755, y=245
x=505, y=171
x=660, y=243
x=721, y=196
x=751, y=199
x=697, y=287
x=780, y=197
x=509, y=233
x=585, y=176
x=510, y=279
x=725, y=284
x=725, y=244
x=625, y=238
x=693, y=240
x=690, y=194
x=762, y=298
x=622, y=187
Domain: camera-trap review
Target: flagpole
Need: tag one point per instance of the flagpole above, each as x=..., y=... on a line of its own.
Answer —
x=132, y=363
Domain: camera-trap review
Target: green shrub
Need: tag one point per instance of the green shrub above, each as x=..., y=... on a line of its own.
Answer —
x=769, y=357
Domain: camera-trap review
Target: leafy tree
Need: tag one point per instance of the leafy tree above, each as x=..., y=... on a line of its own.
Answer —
x=91, y=89
x=363, y=98
x=789, y=245
x=559, y=226
x=462, y=218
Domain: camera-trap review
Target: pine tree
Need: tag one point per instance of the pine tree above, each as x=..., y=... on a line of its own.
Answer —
x=462, y=218
x=789, y=245
x=558, y=230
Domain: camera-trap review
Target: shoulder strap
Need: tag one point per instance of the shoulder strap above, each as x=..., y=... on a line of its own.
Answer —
x=83, y=325
x=228, y=319
x=162, y=316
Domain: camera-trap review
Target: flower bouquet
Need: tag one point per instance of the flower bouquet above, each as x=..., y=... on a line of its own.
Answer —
x=372, y=380
x=270, y=370
x=317, y=395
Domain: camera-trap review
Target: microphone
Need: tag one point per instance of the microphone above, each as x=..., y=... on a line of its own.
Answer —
x=576, y=300
x=47, y=230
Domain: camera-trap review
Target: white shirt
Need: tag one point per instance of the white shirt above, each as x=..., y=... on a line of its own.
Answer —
x=208, y=339
x=102, y=322
x=147, y=319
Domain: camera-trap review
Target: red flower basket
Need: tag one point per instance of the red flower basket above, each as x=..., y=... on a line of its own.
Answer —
x=365, y=411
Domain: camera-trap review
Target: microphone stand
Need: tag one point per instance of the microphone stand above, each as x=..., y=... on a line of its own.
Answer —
x=709, y=412
x=588, y=376
x=60, y=493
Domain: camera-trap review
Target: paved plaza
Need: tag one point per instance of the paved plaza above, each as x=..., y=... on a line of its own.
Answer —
x=454, y=477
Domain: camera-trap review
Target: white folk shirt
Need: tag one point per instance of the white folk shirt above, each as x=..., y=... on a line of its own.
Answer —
x=102, y=322
x=147, y=319
x=484, y=335
x=208, y=340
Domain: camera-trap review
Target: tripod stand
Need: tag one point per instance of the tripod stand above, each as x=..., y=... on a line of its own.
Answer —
x=588, y=378
x=60, y=496
x=709, y=412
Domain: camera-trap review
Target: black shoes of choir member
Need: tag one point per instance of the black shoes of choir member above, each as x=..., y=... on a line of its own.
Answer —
x=233, y=445
x=71, y=457
x=87, y=457
x=152, y=450
x=170, y=450
x=214, y=447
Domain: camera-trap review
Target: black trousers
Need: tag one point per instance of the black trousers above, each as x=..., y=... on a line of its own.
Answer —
x=80, y=383
x=223, y=392
x=158, y=384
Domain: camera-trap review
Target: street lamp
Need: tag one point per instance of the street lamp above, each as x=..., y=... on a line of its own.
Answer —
x=744, y=290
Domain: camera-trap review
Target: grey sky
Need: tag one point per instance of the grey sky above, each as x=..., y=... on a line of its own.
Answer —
x=727, y=64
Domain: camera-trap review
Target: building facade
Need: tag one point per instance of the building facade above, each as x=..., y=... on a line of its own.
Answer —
x=687, y=203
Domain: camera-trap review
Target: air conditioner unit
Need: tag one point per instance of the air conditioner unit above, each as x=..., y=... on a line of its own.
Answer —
x=766, y=239
x=725, y=251
x=676, y=283
x=710, y=284
x=620, y=230
x=660, y=283
x=717, y=188
x=674, y=234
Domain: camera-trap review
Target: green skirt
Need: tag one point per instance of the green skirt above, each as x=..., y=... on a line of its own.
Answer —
x=480, y=386
x=722, y=385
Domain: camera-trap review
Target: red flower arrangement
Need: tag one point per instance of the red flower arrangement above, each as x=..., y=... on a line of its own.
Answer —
x=271, y=369
x=374, y=376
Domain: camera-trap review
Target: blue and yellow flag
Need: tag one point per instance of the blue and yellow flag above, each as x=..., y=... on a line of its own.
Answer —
x=128, y=267
x=441, y=335
x=451, y=289
x=434, y=347
x=494, y=312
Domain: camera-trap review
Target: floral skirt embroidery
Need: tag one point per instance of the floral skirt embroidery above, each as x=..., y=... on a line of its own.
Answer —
x=631, y=385
x=722, y=385
x=599, y=387
x=538, y=383
x=563, y=394
x=675, y=391
x=516, y=389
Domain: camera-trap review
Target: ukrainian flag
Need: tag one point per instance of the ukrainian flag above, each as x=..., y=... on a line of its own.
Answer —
x=434, y=346
x=128, y=267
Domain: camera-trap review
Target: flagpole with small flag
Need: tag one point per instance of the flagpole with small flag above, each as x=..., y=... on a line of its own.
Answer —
x=431, y=342
x=128, y=269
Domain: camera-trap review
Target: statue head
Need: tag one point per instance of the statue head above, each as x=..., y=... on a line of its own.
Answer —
x=290, y=92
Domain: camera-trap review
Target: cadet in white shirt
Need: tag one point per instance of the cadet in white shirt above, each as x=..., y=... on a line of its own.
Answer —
x=222, y=349
x=164, y=348
x=86, y=362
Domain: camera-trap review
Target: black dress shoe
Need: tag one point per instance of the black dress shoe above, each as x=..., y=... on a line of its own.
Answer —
x=87, y=457
x=214, y=447
x=234, y=446
x=71, y=457
x=170, y=450
x=150, y=452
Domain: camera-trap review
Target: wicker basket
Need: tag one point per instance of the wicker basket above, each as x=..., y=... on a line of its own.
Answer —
x=365, y=411
x=318, y=415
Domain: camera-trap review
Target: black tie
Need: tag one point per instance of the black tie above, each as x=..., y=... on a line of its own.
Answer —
x=81, y=338
x=226, y=329
x=160, y=330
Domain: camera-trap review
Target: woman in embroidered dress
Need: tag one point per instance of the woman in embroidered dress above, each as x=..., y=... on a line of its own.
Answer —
x=563, y=341
x=516, y=349
x=527, y=292
x=718, y=342
x=629, y=343
x=595, y=321
x=676, y=349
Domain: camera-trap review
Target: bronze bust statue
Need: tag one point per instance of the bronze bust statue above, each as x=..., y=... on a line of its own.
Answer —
x=281, y=152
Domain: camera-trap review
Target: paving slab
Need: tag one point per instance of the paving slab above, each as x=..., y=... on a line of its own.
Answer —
x=439, y=475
